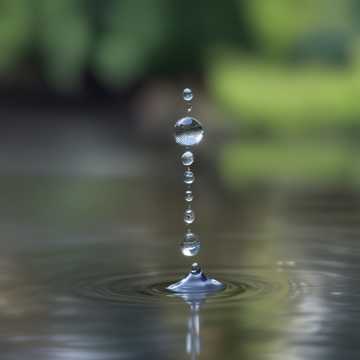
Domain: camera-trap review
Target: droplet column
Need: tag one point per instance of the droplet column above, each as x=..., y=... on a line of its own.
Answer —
x=188, y=133
x=196, y=285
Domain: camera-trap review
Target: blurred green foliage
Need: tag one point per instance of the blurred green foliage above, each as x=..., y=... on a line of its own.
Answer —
x=15, y=31
x=294, y=99
x=281, y=25
x=64, y=38
x=284, y=69
x=118, y=42
x=305, y=76
x=279, y=100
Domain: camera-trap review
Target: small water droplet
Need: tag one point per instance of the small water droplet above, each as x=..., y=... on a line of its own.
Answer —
x=189, y=216
x=187, y=94
x=195, y=268
x=188, y=196
x=188, y=177
x=190, y=245
x=188, y=131
x=187, y=158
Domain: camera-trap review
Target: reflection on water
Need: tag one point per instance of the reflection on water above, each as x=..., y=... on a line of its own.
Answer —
x=84, y=262
x=193, y=335
x=192, y=344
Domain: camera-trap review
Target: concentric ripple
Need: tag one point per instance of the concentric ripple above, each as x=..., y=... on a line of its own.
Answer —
x=149, y=289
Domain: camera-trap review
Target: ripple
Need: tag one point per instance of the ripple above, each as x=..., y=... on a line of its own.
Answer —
x=149, y=289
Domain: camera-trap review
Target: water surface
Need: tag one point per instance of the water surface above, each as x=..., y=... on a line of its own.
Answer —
x=85, y=257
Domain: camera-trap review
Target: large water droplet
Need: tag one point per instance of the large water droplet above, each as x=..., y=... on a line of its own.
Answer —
x=188, y=177
x=187, y=158
x=189, y=216
x=190, y=245
x=187, y=94
x=188, y=196
x=188, y=131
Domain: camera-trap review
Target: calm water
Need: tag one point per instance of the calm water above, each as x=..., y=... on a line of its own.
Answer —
x=84, y=258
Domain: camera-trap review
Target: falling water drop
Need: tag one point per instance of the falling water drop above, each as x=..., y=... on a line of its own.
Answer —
x=188, y=177
x=188, y=196
x=189, y=216
x=188, y=131
x=188, y=94
x=187, y=158
x=190, y=245
x=195, y=268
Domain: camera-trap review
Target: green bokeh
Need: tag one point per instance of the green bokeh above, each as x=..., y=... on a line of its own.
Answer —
x=285, y=71
x=119, y=43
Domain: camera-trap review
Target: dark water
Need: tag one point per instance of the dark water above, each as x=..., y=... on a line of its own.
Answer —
x=85, y=258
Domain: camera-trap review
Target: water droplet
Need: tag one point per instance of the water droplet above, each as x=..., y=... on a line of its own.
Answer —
x=189, y=216
x=195, y=268
x=188, y=131
x=188, y=177
x=190, y=245
x=188, y=196
x=187, y=158
x=187, y=94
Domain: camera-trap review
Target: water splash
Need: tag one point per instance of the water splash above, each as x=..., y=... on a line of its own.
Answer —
x=189, y=132
x=196, y=282
x=151, y=288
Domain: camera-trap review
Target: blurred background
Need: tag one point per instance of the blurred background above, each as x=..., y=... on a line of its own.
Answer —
x=276, y=84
